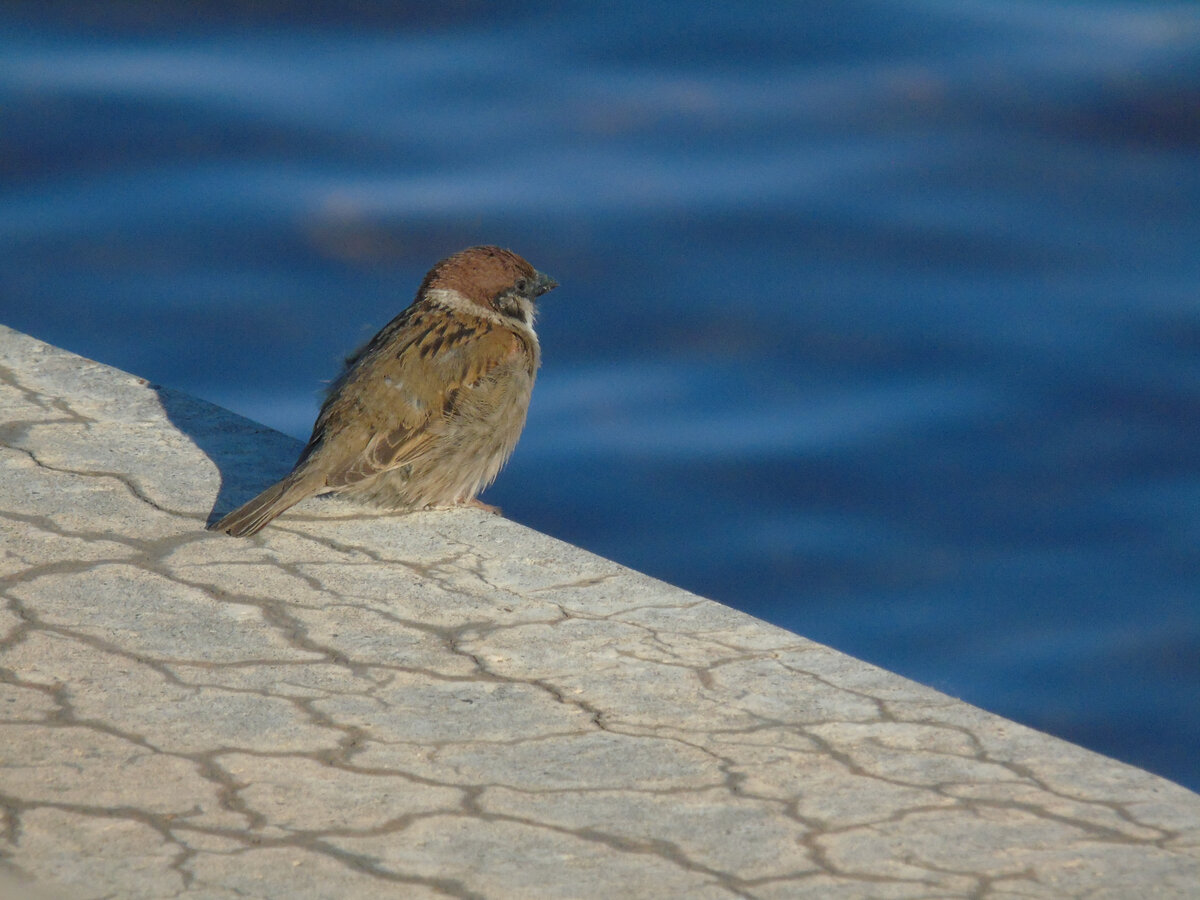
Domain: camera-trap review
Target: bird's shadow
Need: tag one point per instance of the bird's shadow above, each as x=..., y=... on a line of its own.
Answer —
x=249, y=457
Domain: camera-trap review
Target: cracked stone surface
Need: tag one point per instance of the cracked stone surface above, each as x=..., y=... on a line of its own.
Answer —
x=447, y=704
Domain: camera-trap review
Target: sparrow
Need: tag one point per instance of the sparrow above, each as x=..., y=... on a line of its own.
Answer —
x=430, y=409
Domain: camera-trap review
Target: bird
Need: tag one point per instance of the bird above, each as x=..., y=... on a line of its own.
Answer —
x=429, y=410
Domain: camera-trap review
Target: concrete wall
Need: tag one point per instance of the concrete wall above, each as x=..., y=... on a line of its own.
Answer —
x=447, y=704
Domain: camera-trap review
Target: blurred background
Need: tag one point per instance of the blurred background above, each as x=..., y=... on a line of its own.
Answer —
x=880, y=319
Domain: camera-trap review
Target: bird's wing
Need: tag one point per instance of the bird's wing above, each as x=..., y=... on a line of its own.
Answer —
x=416, y=381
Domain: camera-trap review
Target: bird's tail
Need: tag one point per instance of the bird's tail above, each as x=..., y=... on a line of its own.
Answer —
x=250, y=517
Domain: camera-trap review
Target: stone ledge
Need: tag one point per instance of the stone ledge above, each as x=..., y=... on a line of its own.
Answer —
x=447, y=704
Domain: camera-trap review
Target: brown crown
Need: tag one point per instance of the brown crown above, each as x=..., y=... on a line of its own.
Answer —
x=478, y=273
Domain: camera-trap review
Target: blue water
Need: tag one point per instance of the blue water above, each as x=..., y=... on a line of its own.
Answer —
x=879, y=320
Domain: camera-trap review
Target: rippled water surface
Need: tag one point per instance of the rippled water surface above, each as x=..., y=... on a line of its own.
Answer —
x=879, y=320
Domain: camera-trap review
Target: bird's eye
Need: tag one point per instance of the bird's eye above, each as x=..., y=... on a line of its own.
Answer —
x=522, y=285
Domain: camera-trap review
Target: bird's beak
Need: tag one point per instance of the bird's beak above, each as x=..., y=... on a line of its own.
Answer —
x=544, y=284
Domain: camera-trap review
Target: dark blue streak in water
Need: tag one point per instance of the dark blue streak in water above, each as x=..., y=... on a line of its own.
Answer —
x=879, y=320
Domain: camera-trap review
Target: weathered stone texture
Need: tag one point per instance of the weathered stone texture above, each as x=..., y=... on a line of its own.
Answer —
x=447, y=704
